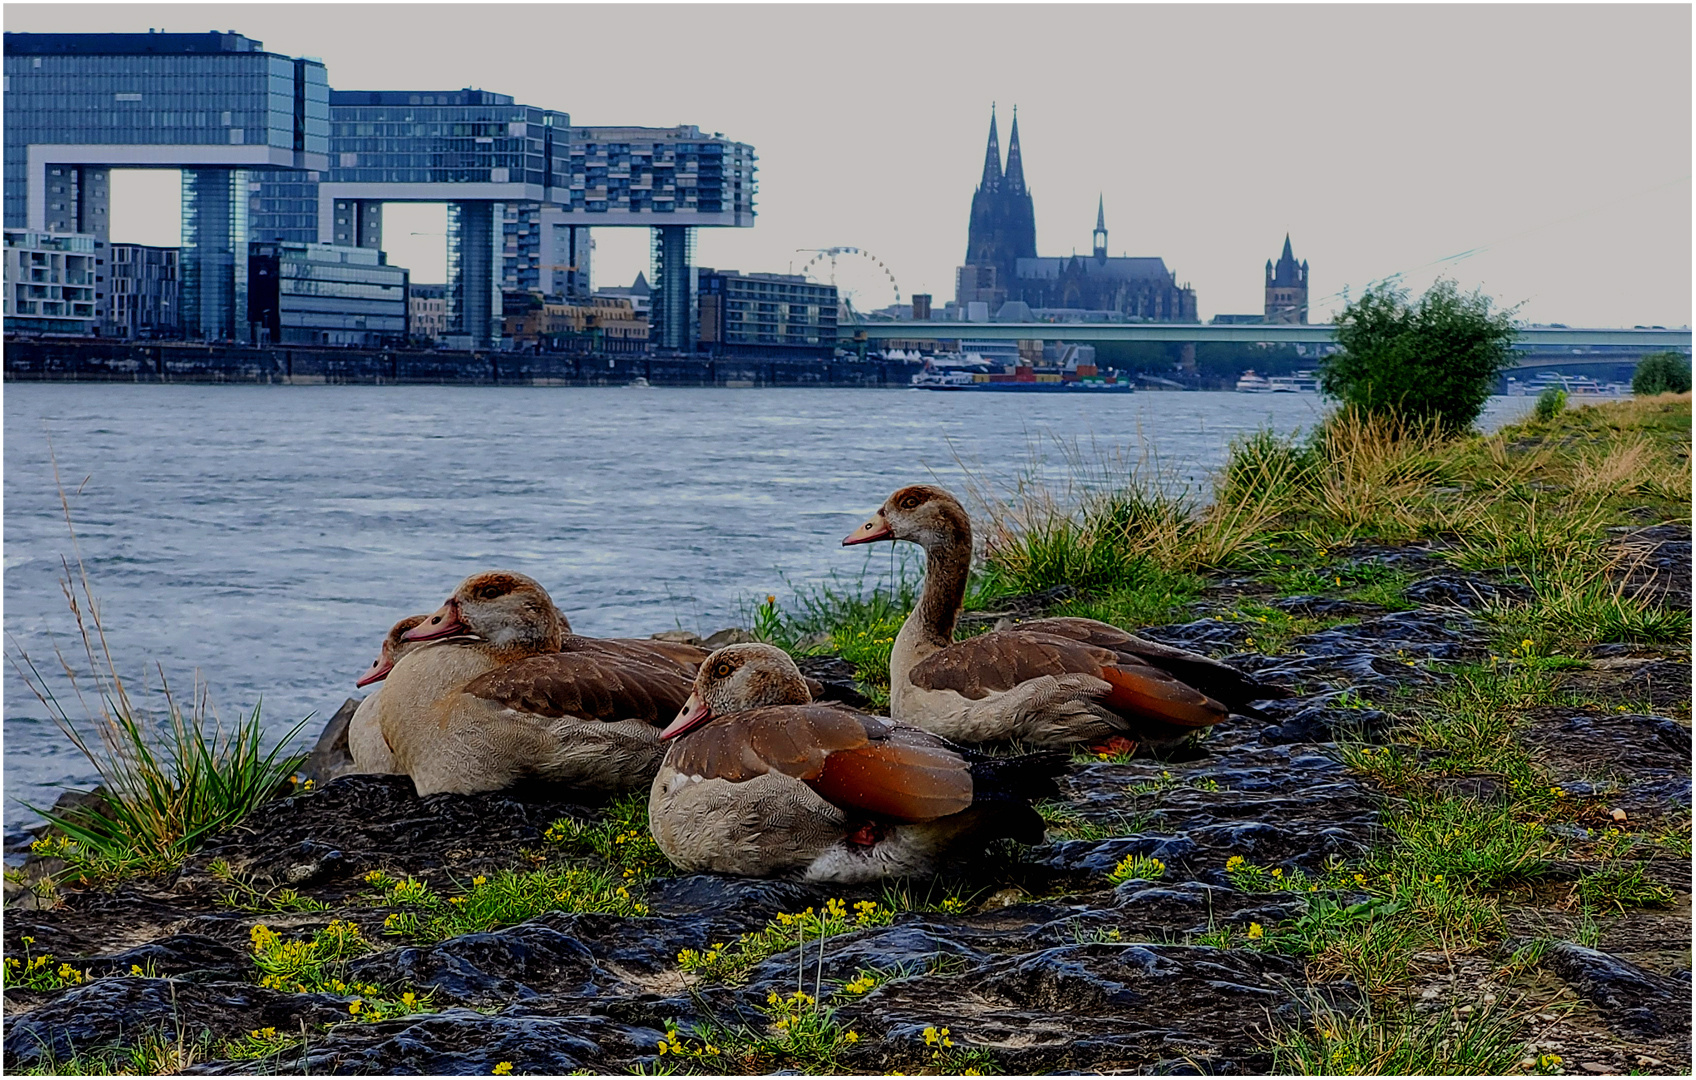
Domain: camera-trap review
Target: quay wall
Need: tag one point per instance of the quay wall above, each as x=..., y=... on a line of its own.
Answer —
x=38, y=360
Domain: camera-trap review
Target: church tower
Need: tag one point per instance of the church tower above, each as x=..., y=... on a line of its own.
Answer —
x=1002, y=229
x=1100, y=227
x=1286, y=288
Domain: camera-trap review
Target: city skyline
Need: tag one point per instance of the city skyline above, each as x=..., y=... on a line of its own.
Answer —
x=1491, y=154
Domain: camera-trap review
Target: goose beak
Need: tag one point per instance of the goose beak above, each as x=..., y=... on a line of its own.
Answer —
x=875, y=529
x=442, y=622
x=380, y=669
x=694, y=713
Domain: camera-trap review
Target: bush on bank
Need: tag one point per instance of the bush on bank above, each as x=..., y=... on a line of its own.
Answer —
x=1434, y=360
x=1662, y=373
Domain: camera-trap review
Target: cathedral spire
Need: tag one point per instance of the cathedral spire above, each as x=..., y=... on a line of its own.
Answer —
x=1015, y=164
x=1288, y=255
x=992, y=158
x=1100, y=227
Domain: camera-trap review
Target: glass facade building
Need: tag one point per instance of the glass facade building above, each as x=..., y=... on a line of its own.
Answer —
x=52, y=282
x=214, y=105
x=325, y=294
x=754, y=314
x=308, y=164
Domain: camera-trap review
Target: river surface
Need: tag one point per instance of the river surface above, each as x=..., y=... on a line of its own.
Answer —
x=266, y=537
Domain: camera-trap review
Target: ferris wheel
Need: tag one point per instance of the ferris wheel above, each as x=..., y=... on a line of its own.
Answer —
x=863, y=282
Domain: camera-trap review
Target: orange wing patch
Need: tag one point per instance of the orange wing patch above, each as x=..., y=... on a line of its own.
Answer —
x=902, y=783
x=1147, y=691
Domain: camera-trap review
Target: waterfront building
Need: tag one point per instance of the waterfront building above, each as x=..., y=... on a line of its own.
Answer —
x=143, y=285
x=1002, y=264
x=1286, y=288
x=271, y=154
x=325, y=294
x=426, y=312
x=601, y=324
x=637, y=293
x=771, y=314
x=215, y=105
x=53, y=282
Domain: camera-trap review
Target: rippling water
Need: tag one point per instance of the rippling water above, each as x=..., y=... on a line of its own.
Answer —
x=266, y=537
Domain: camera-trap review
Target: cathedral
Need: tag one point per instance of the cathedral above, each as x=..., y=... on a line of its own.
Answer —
x=1002, y=265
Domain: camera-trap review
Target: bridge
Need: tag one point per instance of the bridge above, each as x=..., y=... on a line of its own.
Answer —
x=1541, y=337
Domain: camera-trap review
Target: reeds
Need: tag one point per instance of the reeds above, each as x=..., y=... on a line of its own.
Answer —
x=166, y=784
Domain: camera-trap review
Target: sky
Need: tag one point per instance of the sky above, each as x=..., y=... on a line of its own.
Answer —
x=1541, y=153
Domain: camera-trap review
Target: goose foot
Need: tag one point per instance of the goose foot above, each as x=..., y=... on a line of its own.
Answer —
x=864, y=835
x=1118, y=744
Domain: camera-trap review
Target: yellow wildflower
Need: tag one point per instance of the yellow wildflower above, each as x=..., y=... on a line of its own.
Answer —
x=1255, y=930
x=354, y=1006
x=479, y=880
x=503, y=1068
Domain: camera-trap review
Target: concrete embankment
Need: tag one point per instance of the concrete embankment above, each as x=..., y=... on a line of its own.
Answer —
x=28, y=360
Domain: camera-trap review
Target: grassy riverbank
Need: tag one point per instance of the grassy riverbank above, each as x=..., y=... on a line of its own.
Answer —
x=1499, y=842
x=1437, y=870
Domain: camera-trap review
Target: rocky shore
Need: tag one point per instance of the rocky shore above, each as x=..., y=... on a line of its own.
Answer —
x=1158, y=929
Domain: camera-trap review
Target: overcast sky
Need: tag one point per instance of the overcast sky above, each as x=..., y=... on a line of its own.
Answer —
x=1556, y=139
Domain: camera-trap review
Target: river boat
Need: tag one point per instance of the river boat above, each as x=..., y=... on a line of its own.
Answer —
x=1302, y=382
x=1250, y=383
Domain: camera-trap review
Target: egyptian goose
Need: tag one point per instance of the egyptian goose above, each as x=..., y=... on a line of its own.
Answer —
x=1047, y=682
x=371, y=754
x=761, y=782
x=508, y=695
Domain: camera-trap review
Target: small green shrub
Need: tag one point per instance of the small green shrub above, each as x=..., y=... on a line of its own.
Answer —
x=1436, y=360
x=1550, y=403
x=1662, y=373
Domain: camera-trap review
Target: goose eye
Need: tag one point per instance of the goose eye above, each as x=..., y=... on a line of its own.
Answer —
x=722, y=670
x=909, y=502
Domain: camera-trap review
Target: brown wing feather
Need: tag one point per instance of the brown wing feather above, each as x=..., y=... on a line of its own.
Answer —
x=1215, y=678
x=994, y=662
x=588, y=684
x=689, y=656
x=859, y=762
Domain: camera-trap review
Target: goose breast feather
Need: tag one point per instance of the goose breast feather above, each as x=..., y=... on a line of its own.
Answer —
x=860, y=763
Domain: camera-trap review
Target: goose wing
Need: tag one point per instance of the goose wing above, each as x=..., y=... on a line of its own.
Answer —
x=999, y=661
x=591, y=684
x=862, y=763
x=689, y=656
x=1212, y=677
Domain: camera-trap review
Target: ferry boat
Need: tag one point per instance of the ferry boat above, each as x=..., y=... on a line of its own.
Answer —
x=970, y=373
x=1302, y=382
x=1250, y=383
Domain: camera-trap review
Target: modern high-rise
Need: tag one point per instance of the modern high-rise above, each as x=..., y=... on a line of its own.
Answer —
x=766, y=314
x=270, y=153
x=325, y=294
x=143, y=292
x=215, y=105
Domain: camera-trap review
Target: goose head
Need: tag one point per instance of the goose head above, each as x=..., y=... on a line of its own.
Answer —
x=393, y=649
x=737, y=678
x=922, y=513
x=508, y=611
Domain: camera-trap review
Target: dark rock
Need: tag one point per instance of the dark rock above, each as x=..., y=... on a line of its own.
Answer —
x=1629, y=997
x=514, y=964
x=115, y=1013
x=180, y=954
x=755, y=900
x=1378, y=653
x=468, y=1043
x=1203, y=635
x=1011, y=610
x=836, y=678
x=733, y=635
x=330, y=756
x=1319, y=607
x=1317, y=718
x=1457, y=590
x=910, y=948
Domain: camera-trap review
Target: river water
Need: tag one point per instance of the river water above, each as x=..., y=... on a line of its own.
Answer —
x=266, y=537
